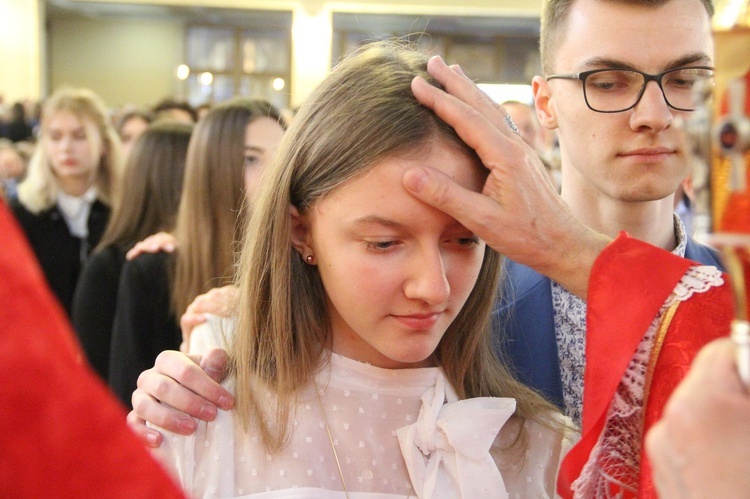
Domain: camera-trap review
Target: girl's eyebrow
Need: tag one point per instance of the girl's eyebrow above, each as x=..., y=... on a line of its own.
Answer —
x=387, y=222
x=375, y=219
x=62, y=128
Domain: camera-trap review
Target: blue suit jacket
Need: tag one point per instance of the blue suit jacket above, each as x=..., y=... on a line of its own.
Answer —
x=524, y=325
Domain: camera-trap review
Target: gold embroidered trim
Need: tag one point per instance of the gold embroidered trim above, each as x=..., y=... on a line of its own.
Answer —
x=661, y=333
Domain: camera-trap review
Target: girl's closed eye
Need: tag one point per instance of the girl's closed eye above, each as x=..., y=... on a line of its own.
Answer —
x=460, y=240
x=381, y=246
x=468, y=240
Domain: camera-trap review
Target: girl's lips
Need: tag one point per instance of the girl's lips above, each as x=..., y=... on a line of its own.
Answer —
x=418, y=322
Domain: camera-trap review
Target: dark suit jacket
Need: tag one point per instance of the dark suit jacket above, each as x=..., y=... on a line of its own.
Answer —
x=60, y=254
x=524, y=324
x=94, y=305
x=144, y=324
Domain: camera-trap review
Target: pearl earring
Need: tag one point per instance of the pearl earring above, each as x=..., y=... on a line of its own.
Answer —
x=309, y=259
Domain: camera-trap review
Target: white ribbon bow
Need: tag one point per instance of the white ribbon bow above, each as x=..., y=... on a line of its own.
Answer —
x=447, y=449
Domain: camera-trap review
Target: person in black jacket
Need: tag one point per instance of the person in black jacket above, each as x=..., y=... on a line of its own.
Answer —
x=155, y=289
x=63, y=204
x=148, y=203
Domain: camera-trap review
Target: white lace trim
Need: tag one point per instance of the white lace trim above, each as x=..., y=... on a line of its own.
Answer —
x=614, y=463
x=697, y=279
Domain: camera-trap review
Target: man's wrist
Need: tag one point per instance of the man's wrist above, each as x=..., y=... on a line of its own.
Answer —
x=574, y=260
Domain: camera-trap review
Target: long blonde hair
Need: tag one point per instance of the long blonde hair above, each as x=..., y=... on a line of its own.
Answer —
x=363, y=113
x=39, y=190
x=211, y=218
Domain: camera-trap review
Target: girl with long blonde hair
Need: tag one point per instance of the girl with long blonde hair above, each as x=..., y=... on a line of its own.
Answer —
x=64, y=203
x=361, y=360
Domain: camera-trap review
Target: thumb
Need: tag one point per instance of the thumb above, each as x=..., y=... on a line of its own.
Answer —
x=214, y=362
x=437, y=189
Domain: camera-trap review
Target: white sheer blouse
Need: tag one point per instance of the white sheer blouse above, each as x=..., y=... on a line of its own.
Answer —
x=397, y=433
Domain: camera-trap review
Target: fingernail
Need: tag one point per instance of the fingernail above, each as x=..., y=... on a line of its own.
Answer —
x=186, y=426
x=152, y=438
x=225, y=402
x=435, y=59
x=214, y=374
x=415, y=179
x=208, y=412
x=169, y=247
x=457, y=69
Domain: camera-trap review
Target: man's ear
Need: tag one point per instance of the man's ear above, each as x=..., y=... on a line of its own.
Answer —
x=300, y=235
x=544, y=103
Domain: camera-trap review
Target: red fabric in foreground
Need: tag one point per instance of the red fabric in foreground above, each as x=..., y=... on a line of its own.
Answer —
x=629, y=283
x=696, y=323
x=62, y=434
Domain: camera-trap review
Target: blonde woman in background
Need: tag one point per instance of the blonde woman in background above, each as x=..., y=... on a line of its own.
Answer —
x=64, y=203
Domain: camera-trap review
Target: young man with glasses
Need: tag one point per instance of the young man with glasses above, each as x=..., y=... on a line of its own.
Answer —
x=619, y=76
x=620, y=170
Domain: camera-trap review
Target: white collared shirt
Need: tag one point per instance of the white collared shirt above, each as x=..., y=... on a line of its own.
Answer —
x=75, y=211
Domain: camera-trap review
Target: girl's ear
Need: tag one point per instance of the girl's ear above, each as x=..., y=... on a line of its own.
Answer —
x=300, y=236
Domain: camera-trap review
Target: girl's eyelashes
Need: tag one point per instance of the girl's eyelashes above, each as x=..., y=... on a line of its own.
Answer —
x=468, y=241
x=464, y=242
x=380, y=245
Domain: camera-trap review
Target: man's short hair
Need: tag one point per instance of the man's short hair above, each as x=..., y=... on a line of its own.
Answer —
x=555, y=14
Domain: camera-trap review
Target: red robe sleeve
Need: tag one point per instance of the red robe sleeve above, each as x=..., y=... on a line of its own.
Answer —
x=695, y=323
x=62, y=433
x=629, y=283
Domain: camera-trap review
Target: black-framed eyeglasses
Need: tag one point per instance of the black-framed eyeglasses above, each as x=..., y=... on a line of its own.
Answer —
x=617, y=90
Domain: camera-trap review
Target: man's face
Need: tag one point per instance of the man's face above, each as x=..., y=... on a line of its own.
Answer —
x=634, y=155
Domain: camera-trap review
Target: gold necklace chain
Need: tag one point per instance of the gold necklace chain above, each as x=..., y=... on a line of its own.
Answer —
x=330, y=439
x=333, y=447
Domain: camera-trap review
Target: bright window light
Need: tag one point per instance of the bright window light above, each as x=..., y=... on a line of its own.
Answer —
x=501, y=92
x=183, y=71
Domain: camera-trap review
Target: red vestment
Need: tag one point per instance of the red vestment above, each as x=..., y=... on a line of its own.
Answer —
x=630, y=282
x=62, y=434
